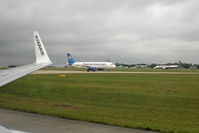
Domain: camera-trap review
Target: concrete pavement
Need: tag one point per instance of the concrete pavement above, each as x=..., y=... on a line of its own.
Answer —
x=35, y=123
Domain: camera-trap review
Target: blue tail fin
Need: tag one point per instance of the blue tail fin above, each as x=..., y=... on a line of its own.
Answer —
x=70, y=59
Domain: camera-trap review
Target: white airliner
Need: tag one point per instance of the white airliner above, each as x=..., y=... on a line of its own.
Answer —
x=42, y=60
x=92, y=66
x=166, y=67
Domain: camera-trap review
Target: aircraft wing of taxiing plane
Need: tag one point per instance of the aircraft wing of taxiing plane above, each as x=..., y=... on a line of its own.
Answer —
x=42, y=60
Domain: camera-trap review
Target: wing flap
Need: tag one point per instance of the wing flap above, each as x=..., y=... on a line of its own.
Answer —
x=15, y=73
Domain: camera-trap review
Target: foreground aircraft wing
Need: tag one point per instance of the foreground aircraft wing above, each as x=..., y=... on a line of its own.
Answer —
x=5, y=130
x=42, y=60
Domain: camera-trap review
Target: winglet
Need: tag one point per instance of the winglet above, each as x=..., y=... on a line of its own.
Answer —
x=40, y=51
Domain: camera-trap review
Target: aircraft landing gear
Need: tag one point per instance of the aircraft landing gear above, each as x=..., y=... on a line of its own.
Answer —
x=91, y=69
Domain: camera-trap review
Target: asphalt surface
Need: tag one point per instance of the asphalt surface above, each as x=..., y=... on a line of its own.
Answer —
x=35, y=123
x=67, y=71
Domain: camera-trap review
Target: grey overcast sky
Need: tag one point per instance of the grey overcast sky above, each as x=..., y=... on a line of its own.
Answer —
x=125, y=31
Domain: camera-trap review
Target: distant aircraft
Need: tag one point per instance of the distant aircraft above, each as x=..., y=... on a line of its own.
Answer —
x=92, y=66
x=166, y=67
x=42, y=60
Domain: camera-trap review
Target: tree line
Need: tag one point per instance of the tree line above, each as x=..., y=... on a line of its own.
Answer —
x=142, y=65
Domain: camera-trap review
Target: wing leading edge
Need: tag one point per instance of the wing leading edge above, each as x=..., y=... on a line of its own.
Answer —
x=42, y=60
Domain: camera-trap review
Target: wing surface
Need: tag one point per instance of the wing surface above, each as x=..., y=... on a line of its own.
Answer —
x=42, y=60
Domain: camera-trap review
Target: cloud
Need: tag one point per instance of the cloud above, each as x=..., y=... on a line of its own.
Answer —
x=138, y=31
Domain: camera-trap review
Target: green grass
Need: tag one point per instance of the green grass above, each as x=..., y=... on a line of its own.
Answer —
x=128, y=69
x=166, y=103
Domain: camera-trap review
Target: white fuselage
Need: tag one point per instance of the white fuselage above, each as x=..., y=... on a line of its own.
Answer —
x=98, y=65
x=166, y=67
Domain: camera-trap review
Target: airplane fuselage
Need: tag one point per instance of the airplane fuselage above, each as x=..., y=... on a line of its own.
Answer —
x=97, y=65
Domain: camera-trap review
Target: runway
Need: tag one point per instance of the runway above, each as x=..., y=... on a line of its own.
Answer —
x=111, y=72
x=34, y=123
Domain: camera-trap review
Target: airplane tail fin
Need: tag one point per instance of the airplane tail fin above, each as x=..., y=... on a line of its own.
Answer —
x=40, y=51
x=70, y=59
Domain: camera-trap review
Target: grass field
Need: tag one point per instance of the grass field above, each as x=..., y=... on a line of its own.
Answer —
x=128, y=69
x=166, y=103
